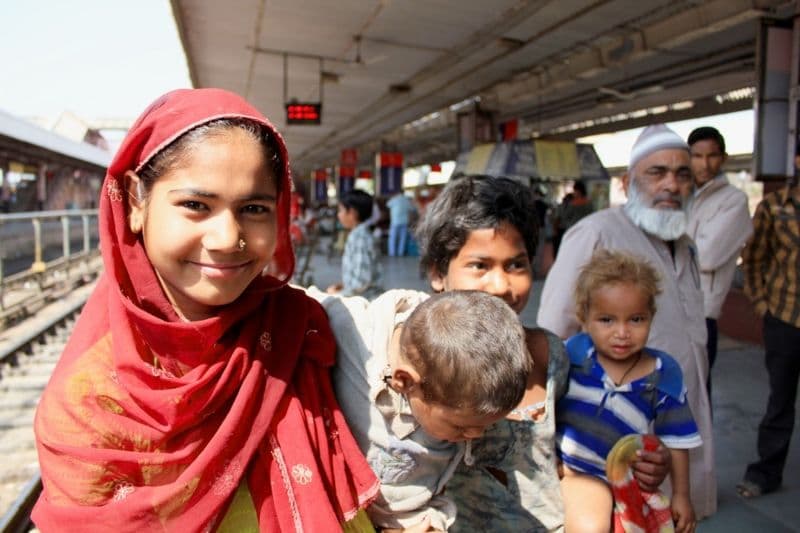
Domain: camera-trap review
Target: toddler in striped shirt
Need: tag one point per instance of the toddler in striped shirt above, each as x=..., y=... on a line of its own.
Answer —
x=617, y=387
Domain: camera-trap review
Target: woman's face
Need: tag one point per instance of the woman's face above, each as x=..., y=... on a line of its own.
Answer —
x=493, y=261
x=209, y=224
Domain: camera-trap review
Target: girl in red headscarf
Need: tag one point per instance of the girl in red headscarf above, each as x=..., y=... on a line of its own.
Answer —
x=193, y=394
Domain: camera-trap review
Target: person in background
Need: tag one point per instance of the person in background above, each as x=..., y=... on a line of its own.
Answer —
x=422, y=197
x=480, y=233
x=619, y=384
x=771, y=263
x=361, y=267
x=400, y=211
x=542, y=208
x=194, y=392
x=417, y=377
x=376, y=215
x=578, y=207
x=297, y=206
x=719, y=225
x=297, y=211
x=652, y=224
x=558, y=224
x=376, y=226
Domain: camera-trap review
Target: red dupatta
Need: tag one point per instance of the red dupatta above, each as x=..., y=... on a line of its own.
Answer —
x=129, y=442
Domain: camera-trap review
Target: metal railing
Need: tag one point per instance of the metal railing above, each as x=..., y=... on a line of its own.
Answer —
x=43, y=254
x=17, y=519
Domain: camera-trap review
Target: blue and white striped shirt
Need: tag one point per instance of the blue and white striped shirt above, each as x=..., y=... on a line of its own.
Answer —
x=595, y=413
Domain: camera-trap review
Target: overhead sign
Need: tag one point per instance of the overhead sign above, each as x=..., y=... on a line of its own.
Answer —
x=390, y=173
x=349, y=157
x=304, y=113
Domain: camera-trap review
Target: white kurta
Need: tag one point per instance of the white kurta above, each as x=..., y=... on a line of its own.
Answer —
x=678, y=328
x=719, y=224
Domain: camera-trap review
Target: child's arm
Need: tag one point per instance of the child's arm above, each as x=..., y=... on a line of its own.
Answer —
x=682, y=510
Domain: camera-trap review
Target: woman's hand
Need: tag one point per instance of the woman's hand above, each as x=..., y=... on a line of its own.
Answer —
x=683, y=514
x=652, y=467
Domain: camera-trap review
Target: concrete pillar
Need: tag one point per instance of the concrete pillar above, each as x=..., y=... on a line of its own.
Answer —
x=778, y=94
x=41, y=187
x=5, y=188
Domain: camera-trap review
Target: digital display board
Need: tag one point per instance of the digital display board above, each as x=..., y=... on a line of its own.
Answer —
x=304, y=113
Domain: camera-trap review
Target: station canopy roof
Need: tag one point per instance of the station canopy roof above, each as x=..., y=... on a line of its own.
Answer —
x=28, y=143
x=395, y=73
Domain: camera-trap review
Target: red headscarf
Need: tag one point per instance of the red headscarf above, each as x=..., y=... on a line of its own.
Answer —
x=150, y=423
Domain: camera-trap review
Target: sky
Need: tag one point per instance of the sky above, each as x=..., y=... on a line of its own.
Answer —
x=737, y=129
x=95, y=58
x=111, y=58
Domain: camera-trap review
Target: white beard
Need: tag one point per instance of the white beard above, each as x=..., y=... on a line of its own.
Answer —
x=666, y=224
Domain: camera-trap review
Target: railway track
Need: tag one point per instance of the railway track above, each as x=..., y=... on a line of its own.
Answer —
x=37, y=315
x=28, y=353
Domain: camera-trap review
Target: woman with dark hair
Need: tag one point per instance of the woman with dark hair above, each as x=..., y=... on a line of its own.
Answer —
x=193, y=394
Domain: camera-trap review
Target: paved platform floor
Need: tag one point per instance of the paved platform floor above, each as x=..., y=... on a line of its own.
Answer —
x=739, y=399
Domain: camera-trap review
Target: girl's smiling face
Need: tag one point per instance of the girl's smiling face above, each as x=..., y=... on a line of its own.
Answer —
x=198, y=214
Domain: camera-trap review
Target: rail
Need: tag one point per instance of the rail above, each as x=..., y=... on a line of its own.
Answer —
x=33, y=284
x=17, y=519
x=27, y=354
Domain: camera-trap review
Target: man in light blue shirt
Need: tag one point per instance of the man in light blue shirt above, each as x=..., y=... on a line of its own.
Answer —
x=400, y=210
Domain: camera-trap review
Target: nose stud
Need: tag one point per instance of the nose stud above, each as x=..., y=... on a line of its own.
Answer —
x=242, y=245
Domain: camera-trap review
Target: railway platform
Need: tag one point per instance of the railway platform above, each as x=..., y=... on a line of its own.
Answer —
x=739, y=400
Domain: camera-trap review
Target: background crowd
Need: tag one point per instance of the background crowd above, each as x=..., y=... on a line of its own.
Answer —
x=200, y=389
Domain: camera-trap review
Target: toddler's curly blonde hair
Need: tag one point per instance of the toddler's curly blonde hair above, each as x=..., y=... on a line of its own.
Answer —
x=608, y=267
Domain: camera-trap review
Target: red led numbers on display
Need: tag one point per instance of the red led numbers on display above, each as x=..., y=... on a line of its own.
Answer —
x=303, y=113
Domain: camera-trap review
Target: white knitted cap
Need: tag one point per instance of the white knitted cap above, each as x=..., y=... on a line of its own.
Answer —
x=654, y=138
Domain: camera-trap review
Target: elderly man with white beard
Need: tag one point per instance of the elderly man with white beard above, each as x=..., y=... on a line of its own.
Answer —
x=651, y=224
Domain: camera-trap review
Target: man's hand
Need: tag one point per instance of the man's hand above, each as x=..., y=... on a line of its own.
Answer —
x=652, y=468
